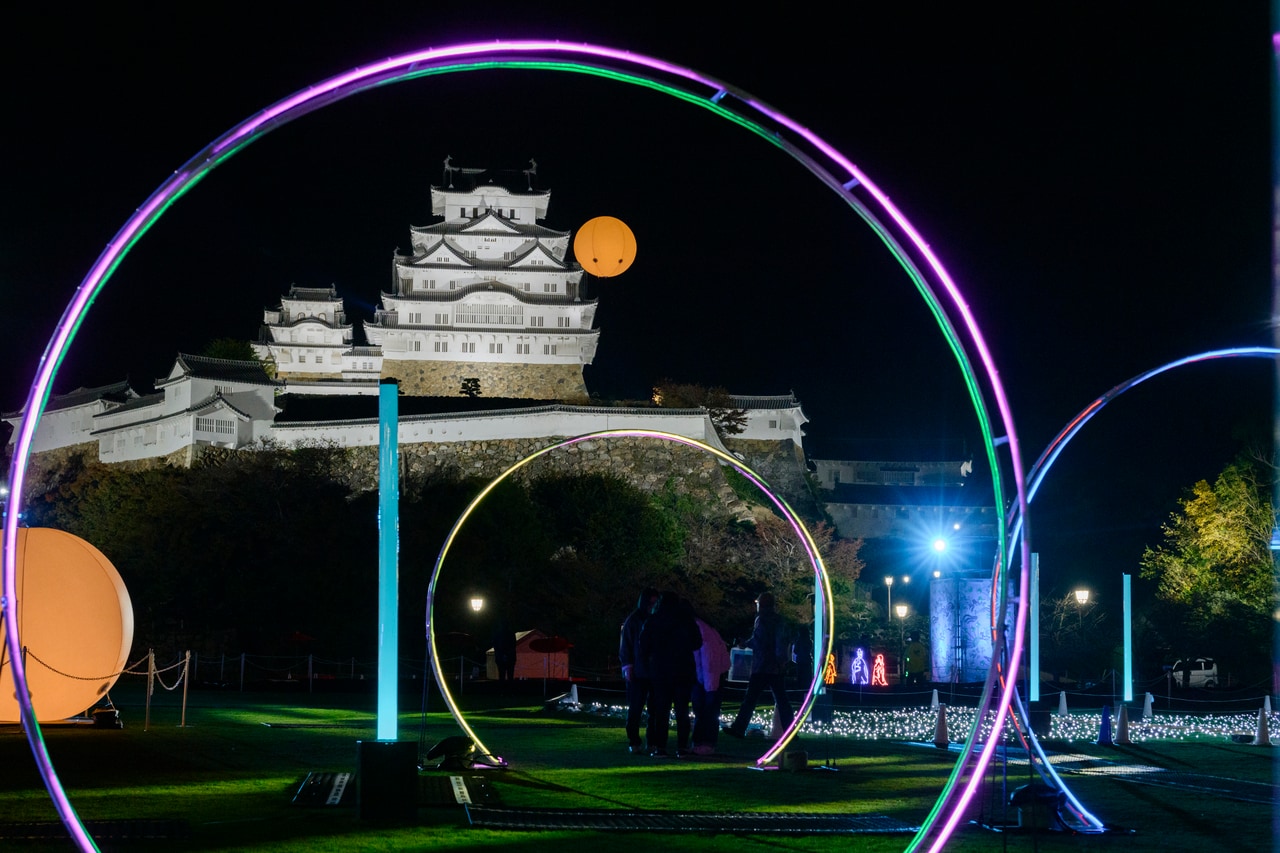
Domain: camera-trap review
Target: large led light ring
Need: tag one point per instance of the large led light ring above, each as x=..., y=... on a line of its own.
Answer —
x=820, y=158
x=824, y=618
x=1044, y=463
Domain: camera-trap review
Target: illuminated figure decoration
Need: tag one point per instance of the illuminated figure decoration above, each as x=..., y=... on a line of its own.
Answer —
x=829, y=673
x=605, y=246
x=76, y=620
x=877, y=673
x=858, y=674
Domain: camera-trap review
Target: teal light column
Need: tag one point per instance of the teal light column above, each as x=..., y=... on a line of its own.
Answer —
x=1128, y=639
x=388, y=559
x=1033, y=614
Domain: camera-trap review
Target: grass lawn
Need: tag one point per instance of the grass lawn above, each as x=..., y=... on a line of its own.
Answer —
x=228, y=779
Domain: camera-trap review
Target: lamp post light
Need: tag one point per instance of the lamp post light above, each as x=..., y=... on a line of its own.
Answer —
x=1082, y=597
x=901, y=610
x=477, y=604
x=888, y=595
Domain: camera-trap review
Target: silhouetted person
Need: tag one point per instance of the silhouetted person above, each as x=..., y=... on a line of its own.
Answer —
x=667, y=643
x=504, y=650
x=768, y=643
x=634, y=669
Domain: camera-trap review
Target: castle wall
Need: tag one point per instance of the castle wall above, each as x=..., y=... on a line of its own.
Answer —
x=782, y=465
x=523, y=381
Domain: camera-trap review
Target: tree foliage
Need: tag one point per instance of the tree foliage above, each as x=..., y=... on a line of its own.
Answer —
x=725, y=417
x=233, y=349
x=1215, y=569
x=266, y=551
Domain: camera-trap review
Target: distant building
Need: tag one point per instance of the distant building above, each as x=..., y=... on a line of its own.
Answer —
x=68, y=418
x=904, y=499
x=307, y=338
x=202, y=401
x=487, y=294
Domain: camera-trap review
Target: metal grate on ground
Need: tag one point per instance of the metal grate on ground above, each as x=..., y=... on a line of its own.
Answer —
x=732, y=822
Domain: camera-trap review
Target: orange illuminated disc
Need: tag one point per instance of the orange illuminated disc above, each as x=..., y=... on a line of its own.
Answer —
x=605, y=246
x=74, y=618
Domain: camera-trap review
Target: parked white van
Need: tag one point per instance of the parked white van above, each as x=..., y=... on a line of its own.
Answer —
x=1197, y=672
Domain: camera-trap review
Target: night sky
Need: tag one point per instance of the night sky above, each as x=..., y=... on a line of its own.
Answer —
x=1098, y=181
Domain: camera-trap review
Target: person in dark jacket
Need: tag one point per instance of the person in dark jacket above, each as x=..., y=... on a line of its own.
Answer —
x=504, y=650
x=634, y=668
x=768, y=640
x=667, y=643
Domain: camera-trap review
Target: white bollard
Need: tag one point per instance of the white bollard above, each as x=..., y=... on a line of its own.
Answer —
x=933, y=706
x=1062, y=704
x=1147, y=713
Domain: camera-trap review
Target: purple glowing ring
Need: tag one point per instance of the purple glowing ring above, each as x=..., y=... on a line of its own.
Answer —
x=820, y=158
x=822, y=605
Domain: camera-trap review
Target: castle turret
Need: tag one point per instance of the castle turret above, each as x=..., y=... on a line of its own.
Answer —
x=487, y=294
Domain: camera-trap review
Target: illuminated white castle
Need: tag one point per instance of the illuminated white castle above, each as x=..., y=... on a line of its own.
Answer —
x=486, y=303
x=487, y=297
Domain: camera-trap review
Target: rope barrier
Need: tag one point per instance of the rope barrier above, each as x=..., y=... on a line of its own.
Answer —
x=127, y=671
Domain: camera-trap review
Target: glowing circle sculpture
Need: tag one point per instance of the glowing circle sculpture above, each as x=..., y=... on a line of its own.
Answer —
x=823, y=622
x=913, y=253
x=76, y=624
x=605, y=246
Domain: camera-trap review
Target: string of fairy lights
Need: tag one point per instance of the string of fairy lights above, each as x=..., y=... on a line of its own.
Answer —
x=921, y=724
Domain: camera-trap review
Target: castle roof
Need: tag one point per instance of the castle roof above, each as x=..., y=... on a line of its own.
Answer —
x=469, y=180
x=116, y=392
x=490, y=223
x=225, y=369
x=312, y=294
x=764, y=401
x=484, y=286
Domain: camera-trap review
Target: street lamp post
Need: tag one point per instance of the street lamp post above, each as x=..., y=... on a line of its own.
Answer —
x=477, y=604
x=901, y=641
x=888, y=596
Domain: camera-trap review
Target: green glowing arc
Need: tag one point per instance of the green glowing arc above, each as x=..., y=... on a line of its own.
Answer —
x=789, y=137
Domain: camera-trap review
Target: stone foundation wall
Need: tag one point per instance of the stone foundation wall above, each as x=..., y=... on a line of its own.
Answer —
x=525, y=381
x=288, y=376
x=782, y=464
x=647, y=464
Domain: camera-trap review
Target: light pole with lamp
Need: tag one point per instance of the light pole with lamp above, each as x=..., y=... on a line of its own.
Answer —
x=1082, y=599
x=888, y=596
x=477, y=604
x=901, y=610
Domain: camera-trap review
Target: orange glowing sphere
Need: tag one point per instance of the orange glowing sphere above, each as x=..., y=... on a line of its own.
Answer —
x=74, y=618
x=605, y=246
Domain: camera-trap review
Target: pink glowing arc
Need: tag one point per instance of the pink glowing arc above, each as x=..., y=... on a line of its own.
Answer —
x=804, y=146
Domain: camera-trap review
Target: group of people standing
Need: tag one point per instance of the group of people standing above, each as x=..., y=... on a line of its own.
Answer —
x=672, y=660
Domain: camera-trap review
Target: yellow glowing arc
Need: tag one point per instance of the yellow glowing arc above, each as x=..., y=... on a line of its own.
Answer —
x=824, y=614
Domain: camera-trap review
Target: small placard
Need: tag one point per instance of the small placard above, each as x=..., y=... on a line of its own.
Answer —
x=740, y=664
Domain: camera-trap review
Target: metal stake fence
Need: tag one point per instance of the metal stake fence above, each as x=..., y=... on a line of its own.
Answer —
x=186, y=681
x=151, y=686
